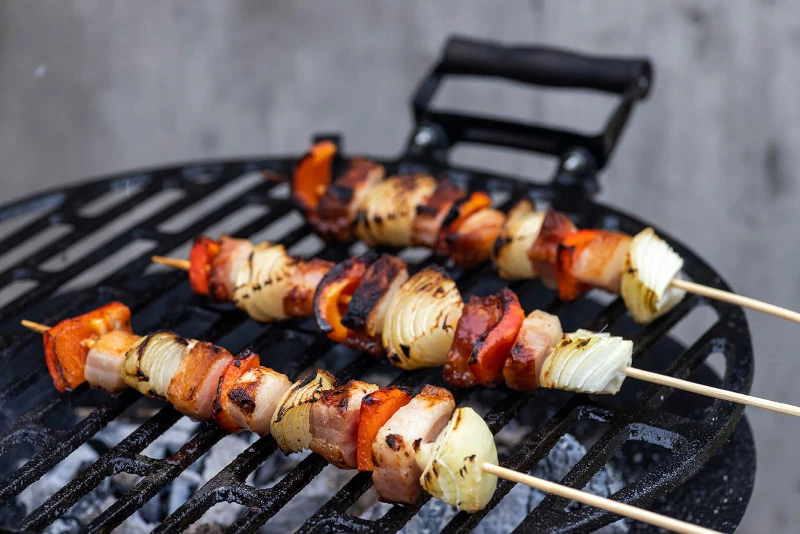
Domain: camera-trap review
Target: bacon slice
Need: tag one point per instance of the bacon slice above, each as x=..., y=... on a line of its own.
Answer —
x=66, y=344
x=376, y=409
x=338, y=207
x=537, y=338
x=193, y=387
x=254, y=397
x=104, y=360
x=367, y=309
x=396, y=474
x=200, y=257
x=544, y=252
x=493, y=347
x=479, y=316
x=305, y=278
x=313, y=176
x=239, y=365
x=334, y=423
x=329, y=309
x=473, y=242
x=431, y=216
x=232, y=256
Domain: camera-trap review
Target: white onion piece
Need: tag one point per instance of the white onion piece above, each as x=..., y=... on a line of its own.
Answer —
x=421, y=320
x=518, y=236
x=263, y=281
x=386, y=213
x=291, y=422
x=452, y=465
x=588, y=363
x=650, y=267
x=152, y=361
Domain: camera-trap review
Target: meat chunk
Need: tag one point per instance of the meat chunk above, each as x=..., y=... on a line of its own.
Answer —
x=537, y=338
x=601, y=262
x=254, y=397
x=233, y=254
x=544, y=252
x=479, y=316
x=238, y=366
x=305, y=277
x=431, y=216
x=334, y=423
x=338, y=206
x=473, y=242
x=367, y=309
x=194, y=386
x=105, y=358
x=396, y=474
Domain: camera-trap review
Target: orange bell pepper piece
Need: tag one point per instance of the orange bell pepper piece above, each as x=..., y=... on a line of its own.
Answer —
x=377, y=408
x=203, y=251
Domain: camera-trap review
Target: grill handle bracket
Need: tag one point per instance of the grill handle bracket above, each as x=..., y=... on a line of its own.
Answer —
x=580, y=155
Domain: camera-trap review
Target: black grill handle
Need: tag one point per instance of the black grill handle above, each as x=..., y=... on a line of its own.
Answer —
x=546, y=66
x=437, y=131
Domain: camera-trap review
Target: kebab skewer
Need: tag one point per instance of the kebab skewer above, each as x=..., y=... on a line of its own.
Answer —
x=370, y=303
x=418, y=210
x=410, y=443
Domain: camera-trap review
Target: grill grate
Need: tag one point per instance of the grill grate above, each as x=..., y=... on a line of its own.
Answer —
x=640, y=417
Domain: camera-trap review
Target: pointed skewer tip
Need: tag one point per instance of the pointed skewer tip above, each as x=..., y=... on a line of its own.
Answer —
x=36, y=327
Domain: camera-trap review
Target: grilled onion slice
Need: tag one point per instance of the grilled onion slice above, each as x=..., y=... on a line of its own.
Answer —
x=152, y=361
x=588, y=362
x=515, y=242
x=386, y=215
x=650, y=266
x=452, y=465
x=262, y=284
x=421, y=320
x=291, y=422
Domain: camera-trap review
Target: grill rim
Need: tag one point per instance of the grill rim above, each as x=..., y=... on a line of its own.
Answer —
x=734, y=316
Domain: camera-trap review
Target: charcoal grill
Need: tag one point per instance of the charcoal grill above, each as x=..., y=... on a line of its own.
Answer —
x=87, y=262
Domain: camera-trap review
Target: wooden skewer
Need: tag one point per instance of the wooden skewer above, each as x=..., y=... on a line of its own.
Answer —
x=36, y=327
x=183, y=265
x=603, y=503
x=738, y=300
x=557, y=489
x=645, y=376
x=175, y=263
x=709, y=391
x=689, y=287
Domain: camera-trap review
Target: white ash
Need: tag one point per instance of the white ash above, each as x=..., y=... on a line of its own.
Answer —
x=158, y=508
x=521, y=500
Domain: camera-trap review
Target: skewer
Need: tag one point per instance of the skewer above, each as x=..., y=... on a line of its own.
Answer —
x=638, y=514
x=175, y=263
x=738, y=300
x=183, y=265
x=709, y=391
x=596, y=501
x=689, y=287
x=36, y=327
x=645, y=376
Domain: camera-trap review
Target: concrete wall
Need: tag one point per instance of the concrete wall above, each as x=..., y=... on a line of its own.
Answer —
x=89, y=87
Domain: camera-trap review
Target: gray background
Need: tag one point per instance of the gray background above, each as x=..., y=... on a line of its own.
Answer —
x=93, y=87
